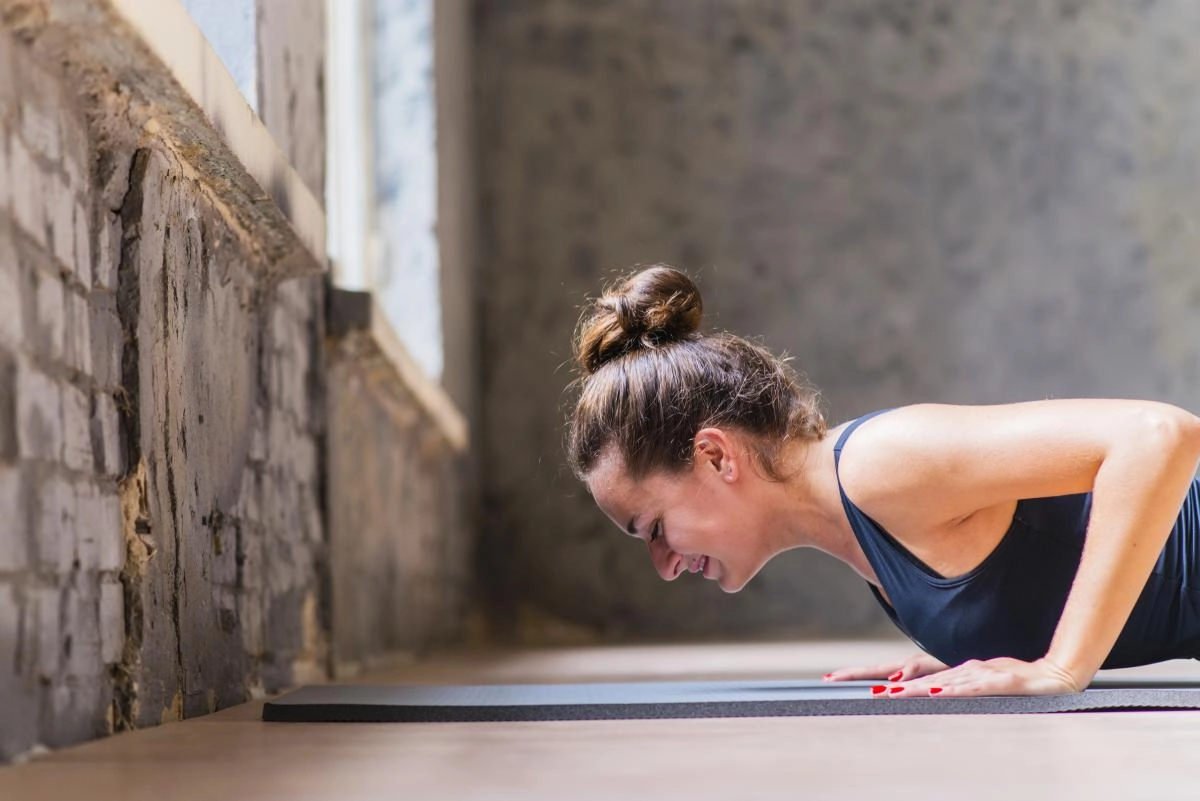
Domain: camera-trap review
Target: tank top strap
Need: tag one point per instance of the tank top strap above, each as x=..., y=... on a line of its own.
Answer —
x=837, y=448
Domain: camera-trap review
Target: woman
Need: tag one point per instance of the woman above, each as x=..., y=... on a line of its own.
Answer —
x=968, y=522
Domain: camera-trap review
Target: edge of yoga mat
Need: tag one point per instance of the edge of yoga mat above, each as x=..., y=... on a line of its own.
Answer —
x=362, y=704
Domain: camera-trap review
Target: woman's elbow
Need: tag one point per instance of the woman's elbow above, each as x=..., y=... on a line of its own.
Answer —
x=1172, y=427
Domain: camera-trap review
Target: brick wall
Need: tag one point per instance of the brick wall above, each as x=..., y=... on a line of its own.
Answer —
x=162, y=547
x=62, y=548
x=188, y=507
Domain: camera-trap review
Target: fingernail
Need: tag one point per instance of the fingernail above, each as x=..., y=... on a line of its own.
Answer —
x=896, y=676
x=827, y=676
x=878, y=689
x=895, y=690
x=934, y=690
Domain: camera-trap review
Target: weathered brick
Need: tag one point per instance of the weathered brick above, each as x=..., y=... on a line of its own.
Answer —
x=112, y=622
x=108, y=252
x=110, y=531
x=39, y=414
x=9, y=448
x=78, y=338
x=6, y=188
x=10, y=627
x=83, y=628
x=100, y=539
x=75, y=151
x=30, y=211
x=54, y=534
x=49, y=631
x=107, y=340
x=106, y=443
x=8, y=86
x=83, y=246
x=93, y=533
x=51, y=316
x=77, y=429
x=14, y=532
x=60, y=214
x=39, y=122
x=11, y=311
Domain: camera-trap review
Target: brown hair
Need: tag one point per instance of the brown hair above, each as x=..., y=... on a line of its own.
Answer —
x=650, y=381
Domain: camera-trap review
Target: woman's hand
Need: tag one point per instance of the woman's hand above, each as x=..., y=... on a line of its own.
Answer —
x=1001, y=676
x=913, y=667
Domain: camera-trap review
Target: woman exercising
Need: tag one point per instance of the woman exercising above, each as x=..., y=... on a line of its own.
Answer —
x=1022, y=547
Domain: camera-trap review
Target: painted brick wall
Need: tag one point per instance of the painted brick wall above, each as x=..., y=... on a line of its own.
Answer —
x=965, y=202
x=162, y=550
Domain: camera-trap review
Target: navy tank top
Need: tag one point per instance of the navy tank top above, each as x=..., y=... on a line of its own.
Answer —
x=1009, y=605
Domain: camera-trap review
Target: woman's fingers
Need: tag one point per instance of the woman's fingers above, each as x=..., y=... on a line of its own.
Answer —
x=900, y=670
x=882, y=671
x=990, y=677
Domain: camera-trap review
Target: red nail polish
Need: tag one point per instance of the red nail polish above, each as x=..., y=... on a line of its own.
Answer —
x=896, y=676
x=827, y=676
x=878, y=689
x=934, y=690
x=894, y=690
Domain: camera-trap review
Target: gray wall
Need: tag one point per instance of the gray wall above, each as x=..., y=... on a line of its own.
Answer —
x=964, y=202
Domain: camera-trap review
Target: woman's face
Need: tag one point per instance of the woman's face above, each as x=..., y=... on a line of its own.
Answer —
x=694, y=521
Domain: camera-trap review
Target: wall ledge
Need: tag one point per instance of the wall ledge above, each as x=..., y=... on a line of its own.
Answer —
x=147, y=63
x=355, y=315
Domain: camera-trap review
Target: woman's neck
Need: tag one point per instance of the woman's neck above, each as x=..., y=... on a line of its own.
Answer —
x=808, y=504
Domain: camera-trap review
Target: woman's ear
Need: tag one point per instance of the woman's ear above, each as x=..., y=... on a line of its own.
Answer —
x=714, y=451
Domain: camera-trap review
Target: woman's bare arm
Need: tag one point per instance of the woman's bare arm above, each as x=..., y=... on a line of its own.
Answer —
x=1137, y=458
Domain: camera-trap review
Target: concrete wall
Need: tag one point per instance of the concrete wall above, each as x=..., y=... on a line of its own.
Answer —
x=399, y=520
x=964, y=202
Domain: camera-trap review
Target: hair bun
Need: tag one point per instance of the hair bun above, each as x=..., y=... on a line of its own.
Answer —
x=649, y=309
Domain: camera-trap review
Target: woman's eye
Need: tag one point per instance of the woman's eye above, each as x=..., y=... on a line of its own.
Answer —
x=654, y=531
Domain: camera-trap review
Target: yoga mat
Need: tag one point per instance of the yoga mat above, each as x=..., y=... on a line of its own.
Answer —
x=694, y=699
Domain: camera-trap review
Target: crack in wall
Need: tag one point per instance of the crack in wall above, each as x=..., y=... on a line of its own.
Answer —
x=135, y=513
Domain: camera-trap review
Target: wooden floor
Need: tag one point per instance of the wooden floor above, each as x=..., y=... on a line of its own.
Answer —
x=233, y=755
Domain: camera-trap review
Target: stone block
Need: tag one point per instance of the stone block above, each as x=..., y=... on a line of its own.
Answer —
x=112, y=622
x=54, y=531
x=14, y=531
x=106, y=430
x=12, y=313
x=77, y=351
x=39, y=414
x=29, y=207
x=51, y=316
x=49, y=631
x=108, y=252
x=60, y=214
x=83, y=246
x=77, y=429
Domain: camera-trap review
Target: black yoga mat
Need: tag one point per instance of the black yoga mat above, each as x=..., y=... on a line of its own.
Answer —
x=695, y=699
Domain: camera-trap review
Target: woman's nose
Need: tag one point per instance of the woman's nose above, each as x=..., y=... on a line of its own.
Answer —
x=665, y=560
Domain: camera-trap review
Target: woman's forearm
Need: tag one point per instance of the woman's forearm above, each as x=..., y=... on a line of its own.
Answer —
x=1138, y=491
